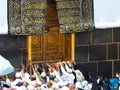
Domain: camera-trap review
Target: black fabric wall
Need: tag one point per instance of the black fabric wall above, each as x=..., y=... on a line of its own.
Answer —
x=13, y=48
x=98, y=51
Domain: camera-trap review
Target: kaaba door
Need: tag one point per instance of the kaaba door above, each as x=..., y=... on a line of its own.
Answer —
x=51, y=46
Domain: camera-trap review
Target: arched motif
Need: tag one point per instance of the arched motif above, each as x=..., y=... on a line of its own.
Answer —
x=85, y=9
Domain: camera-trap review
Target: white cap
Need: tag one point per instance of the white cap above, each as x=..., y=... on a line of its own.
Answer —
x=43, y=74
x=18, y=75
x=39, y=82
x=30, y=87
x=27, y=76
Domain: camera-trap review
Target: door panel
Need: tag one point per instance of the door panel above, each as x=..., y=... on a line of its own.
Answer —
x=51, y=46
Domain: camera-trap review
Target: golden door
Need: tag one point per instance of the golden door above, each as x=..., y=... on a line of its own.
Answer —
x=51, y=46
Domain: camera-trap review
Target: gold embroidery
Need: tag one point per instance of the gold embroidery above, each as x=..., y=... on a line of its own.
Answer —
x=27, y=17
x=75, y=15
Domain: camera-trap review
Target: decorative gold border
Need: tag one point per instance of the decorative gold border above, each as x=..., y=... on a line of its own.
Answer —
x=75, y=15
x=27, y=17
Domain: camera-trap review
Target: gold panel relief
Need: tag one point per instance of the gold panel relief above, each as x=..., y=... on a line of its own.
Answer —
x=52, y=39
x=37, y=48
x=52, y=54
x=36, y=41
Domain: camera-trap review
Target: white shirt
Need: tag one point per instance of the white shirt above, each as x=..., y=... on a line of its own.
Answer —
x=67, y=76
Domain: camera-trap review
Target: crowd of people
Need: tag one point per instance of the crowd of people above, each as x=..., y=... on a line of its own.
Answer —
x=56, y=76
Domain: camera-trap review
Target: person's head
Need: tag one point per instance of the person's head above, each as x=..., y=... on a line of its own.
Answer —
x=119, y=75
x=18, y=75
x=33, y=77
x=71, y=86
x=43, y=75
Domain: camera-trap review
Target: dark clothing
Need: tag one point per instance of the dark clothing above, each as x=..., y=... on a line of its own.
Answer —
x=75, y=80
x=4, y=85
x=80, y=89
x=94, y=82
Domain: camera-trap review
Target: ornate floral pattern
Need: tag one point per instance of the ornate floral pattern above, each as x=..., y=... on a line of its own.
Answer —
x=75, y=15
x=27, y=17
